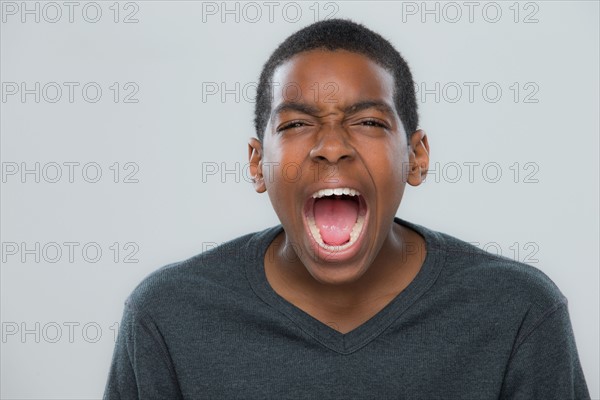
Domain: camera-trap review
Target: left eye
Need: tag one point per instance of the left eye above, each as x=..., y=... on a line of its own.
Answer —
x=372, y=122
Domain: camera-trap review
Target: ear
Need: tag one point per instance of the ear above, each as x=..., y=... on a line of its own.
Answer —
x=255, y=160
x=418, y=148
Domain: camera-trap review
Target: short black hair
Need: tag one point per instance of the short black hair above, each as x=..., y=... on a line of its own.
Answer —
x=340, y=34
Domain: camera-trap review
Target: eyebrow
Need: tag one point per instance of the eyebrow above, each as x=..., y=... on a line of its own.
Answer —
x=351, y=109
x=295, y=106
x=363, y=105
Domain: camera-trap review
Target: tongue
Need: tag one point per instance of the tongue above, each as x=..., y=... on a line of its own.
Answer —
x=335, y=219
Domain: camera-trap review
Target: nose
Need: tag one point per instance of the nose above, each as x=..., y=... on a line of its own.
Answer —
x=332, y=146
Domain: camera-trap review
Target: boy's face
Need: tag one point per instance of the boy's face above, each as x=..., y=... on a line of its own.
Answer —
x=333, y=125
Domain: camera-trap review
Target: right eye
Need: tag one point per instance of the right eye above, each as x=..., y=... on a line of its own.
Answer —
x=291, y=125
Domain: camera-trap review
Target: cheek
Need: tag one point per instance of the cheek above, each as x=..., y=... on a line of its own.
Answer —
x=283, y=166
x=270, y=168
x=276, y=170
x=400, y=163
x=268, y=175
x=404, y=170
x=392, y=167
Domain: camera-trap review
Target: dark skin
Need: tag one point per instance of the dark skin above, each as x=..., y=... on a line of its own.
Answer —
x=336, y=126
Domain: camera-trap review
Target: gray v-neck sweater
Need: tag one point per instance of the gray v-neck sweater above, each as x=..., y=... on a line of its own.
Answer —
x=471, y=325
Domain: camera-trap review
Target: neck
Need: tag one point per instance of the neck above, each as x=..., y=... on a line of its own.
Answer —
x=395, y=266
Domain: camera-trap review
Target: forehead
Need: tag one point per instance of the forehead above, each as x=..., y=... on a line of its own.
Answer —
x=336, y=76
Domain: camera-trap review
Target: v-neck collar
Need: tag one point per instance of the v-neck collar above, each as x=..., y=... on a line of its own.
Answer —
x=349, y=342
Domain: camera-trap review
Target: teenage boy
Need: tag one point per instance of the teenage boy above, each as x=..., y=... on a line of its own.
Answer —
x=343, y=300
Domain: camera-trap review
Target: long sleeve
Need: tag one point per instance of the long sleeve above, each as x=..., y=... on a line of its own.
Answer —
x=141, y=366
x=545, y=363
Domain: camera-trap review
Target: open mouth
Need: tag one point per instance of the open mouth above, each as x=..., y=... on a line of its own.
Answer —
x=336, y=217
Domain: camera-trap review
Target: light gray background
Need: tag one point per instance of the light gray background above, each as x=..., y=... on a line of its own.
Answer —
x=173, y=135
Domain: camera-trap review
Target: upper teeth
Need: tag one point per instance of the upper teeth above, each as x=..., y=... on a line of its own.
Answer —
x=336, y=191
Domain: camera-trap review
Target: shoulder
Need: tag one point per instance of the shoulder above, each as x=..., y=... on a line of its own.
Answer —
x=492, y=289
x=506, y=275
x=198, y=280
x=489, y=278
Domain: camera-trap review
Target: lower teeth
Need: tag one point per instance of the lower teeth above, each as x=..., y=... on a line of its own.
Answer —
x=353, y=235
